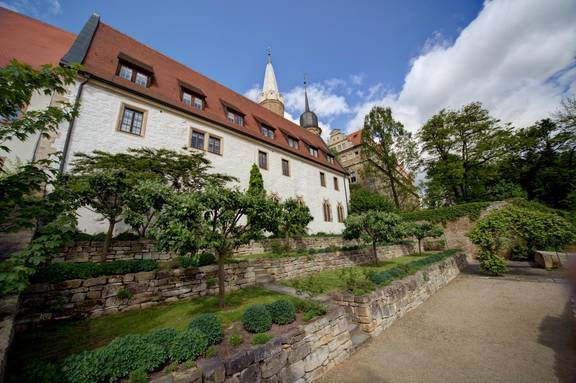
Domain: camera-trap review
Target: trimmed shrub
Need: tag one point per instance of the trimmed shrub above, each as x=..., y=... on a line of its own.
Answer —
x=164, y=338
x=205, y=259
x=310, y=309
x=209, y=325
x=42, y=372
x=138, y=376
x=235, y=340
x=282, y=312
x=59, y=272
x=127, y=236
x=261, y=338
x=128, y=353
x=86, y=367
x=189, y=344
x=257, y=319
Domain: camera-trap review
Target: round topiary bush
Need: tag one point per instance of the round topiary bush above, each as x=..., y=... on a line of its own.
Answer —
x=209, y=325
x=128, y=353
x=189, y=344
x=163, y=338
x=257, y=319
x=282, y=312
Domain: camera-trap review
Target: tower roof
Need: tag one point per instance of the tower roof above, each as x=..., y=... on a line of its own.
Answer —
x=308, y=119
x=270, y=89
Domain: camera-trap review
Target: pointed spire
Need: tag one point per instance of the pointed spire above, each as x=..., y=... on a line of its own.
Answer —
x=306, y=106
x=270, y=96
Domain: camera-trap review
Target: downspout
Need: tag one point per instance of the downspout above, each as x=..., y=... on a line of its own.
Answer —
x=71, y=125
x=346, y=195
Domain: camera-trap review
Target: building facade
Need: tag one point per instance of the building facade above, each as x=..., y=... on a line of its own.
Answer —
x=132, y=96
x=348, y=149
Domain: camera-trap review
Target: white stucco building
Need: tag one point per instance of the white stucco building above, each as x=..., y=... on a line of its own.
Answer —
x=133, y=96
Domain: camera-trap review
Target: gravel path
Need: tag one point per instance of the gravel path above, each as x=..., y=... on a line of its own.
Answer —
x=477, y=329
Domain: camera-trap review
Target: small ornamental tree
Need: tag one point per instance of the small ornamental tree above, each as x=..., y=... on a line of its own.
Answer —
x=256, y=183
x=292, y=218
x=226, y=213
x=143, y=204
x=103, y=192
x=424, y=230
x=375, y=227
x=363, y=200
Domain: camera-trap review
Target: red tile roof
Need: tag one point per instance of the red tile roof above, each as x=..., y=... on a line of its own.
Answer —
x=31, y=41
x=355, y=138
x=101, y=61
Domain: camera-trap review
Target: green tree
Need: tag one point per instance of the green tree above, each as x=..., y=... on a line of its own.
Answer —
x=424, y=230
x=388, y=147
x=292, y=218
x=375, y=227
x=226, y=213
x=143, y=203
x=18, y=83
x=24, y=203
x=460, y=147
x=363, y=200
x=256, y=183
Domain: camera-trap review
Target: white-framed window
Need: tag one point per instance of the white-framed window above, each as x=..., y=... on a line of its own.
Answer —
x=293, y=143
x=214, y=144
x=134, y=74
x=313, y=151
x=207, y=142
x=197, y=140
x=267, y=131
x=235, y=118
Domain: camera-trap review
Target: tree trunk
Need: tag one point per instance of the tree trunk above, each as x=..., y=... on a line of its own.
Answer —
x=375, y=251
x=108, y=239
x=394, y=192
x=287, y=240
x=420, y=246
x=221, y=276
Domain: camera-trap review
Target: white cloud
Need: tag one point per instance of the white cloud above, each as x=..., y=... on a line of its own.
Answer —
x=517, y=58
x=35, y=8
x=323, y=101
x=253, y=92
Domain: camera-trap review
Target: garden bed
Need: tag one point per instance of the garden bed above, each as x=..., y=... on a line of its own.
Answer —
x=54, y=342
x=363, y=279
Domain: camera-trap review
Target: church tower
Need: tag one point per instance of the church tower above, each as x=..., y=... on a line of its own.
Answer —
x=308, y=119
x=270, y=98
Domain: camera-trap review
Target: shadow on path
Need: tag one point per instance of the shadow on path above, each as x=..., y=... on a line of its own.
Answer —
x=556, y=334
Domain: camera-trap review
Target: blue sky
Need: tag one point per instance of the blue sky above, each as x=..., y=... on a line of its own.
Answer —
x=416, y=56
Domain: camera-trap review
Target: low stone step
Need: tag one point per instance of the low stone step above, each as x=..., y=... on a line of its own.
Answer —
x=358, y=337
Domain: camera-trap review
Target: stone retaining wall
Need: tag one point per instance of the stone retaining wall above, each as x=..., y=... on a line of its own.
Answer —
x=378, y=310
x=8, y=309
x=98, y=296
x=90, y=251
x=303, y=355
x=291, y=267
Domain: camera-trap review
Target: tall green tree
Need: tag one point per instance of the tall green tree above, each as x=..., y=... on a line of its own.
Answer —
x=143, y=203
x=461, y=148
x=363, y=200
x=388, y=147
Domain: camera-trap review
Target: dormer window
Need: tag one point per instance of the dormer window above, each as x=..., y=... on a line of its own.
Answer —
x=313, y=151
x=192, y=99
x=293, y=143
x=135, y=74
x=267, y=131
x=235, y=117
x=330, y=158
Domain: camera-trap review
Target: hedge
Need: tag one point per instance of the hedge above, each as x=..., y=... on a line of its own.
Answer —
x=59, y=272
x=209, y=325
x=471, y=210
x=257, y=319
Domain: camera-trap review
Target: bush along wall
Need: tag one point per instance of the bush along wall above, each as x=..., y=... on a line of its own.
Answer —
x=471, y=210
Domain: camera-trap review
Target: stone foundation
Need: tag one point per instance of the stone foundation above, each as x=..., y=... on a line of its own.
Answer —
x=378, y=310
x=303, y=355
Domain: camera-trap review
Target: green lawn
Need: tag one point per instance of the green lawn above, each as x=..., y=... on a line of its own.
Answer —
x=331, y=280
x=60, y=339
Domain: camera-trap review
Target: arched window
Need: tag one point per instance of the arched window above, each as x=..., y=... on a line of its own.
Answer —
x=340, y=212
x=327, y=211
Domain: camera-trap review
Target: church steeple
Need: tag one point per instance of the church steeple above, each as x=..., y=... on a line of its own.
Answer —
x=308, y=119
x=270, y=98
